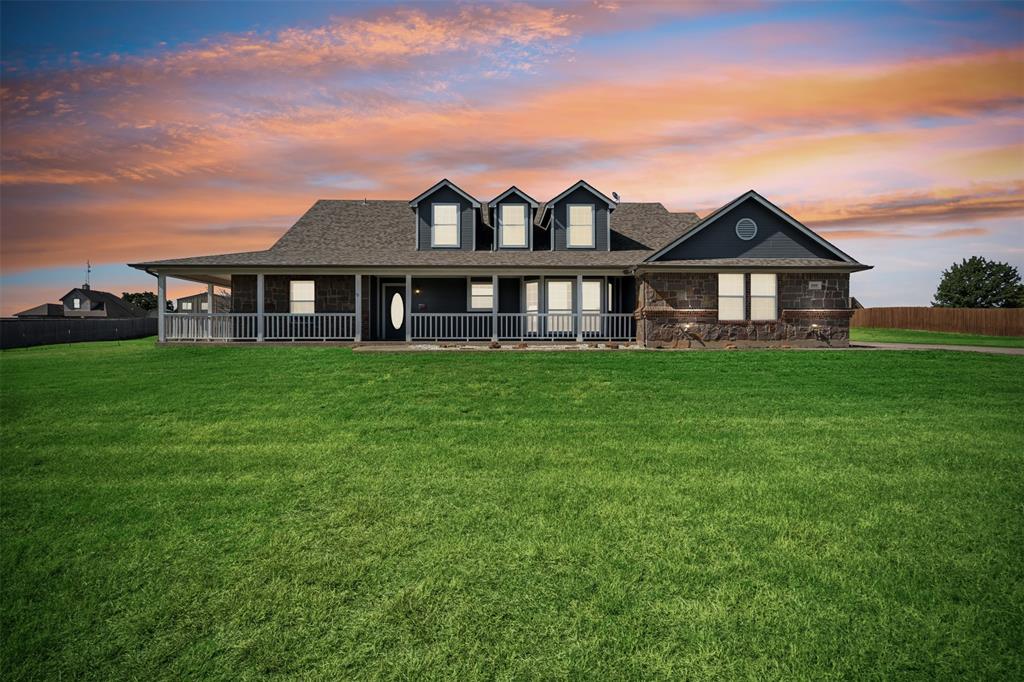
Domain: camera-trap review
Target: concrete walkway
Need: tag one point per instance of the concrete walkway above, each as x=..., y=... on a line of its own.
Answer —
x=935, y=346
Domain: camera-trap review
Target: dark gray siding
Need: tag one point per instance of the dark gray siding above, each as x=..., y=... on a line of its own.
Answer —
x=446, y=195
x=601, y=213
x=439, y=295
x=775, y=238
x=513, y=198
x=508, y=294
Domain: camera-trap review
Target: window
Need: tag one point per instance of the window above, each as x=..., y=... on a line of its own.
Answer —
x=481, y=296
x=763, y=297
x=730, y=296
x=532, y=306
x=204, y=306
x=302, y=297
x=512, y=226
x=560, y=306
x=591, y=305
x=581, y=226
x=76, y=303
x=445, y=232
x=186, y=305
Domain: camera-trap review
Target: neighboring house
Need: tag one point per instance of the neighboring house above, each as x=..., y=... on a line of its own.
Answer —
x=581, y=266
x=88, y=302
x=200, y=303
x=85, y=302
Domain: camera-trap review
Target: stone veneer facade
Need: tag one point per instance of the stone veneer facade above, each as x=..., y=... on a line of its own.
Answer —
x=334, y=293
x=680, y=309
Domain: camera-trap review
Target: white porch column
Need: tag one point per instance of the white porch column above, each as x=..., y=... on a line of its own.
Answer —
x=578, y=304
x=161, y=306
x=209, y=312
x=408, y=308
x=542, y=305
x=259, y=307
x=359, y=306
x=494, y=307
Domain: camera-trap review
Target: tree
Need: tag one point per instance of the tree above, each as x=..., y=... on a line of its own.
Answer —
x=146, y=300
x=977, y=282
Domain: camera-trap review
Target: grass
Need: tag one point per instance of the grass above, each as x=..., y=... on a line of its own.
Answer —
x=248, y=512
x=870, y=334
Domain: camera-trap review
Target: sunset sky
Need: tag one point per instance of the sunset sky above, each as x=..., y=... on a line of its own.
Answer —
x=145, y=131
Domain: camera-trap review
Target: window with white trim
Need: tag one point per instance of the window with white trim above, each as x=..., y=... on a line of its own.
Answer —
x=186, y=305
x=302, y=297
x=591, y=305
x=559, y=299
x=481, y=295
x=730, y=296
x=580, y=232
x=532, y=306
x=763, y=296
x=76, y=303
x=512, y=226
x=204, y=306
x=445, y=225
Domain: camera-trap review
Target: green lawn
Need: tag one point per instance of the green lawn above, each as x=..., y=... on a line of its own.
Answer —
x=239, y=512
x=869, y=334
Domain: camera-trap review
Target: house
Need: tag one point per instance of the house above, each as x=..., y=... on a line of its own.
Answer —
x=580, y=266
x=83, y=302
x=200, y=303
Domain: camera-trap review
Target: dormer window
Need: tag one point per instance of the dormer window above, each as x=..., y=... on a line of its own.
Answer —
x=76, y=303
x=581, y=226
x=445, y=226
x=512, y=226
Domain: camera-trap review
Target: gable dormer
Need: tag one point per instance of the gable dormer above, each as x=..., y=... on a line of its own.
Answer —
x=512, y=214
x=579, y=218
x=446, y=218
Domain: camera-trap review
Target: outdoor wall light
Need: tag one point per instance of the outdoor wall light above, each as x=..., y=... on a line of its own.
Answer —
x=416, y=291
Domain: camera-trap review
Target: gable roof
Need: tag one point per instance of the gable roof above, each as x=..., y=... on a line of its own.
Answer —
x=494, y=202
x=378, y=234
x=583, y=183
x=114, y=305
x=445, y=182
x=750, y=194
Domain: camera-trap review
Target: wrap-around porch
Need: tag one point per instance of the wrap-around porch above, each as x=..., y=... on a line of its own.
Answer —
x=274, y=307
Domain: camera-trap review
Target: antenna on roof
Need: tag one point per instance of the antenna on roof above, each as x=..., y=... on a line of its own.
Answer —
x=615, y=195
x=364, y=201
x=88, y=272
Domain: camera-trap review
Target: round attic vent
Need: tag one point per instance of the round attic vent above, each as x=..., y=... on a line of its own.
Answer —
x=746, y=229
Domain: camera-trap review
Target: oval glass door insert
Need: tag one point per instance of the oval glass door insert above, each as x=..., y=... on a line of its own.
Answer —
x=397, y=311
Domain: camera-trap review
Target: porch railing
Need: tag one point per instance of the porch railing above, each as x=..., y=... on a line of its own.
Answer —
x=245, y=327
x=521, y=326
x=442, y=326
x=207, y=327
x=311, y=327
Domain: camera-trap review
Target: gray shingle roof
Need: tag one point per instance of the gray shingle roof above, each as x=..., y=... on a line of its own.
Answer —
x=378, y=233
x=115, y=305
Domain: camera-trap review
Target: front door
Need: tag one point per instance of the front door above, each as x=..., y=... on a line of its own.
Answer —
x=394, y=312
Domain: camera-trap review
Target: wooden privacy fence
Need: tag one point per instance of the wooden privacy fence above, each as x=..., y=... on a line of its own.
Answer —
x=15, y=333
x=991, y=321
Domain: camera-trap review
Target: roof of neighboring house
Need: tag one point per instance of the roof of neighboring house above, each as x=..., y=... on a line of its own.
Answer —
x=44, y=310
x=114, y=305
x=203, y=295
x=379, y=233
